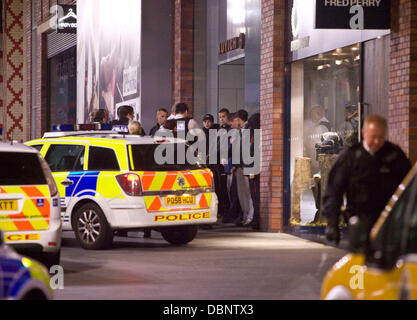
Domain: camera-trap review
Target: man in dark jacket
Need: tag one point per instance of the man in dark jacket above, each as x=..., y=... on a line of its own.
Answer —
x=368, y=174
x=224, y=119
x=161, y=117
x=240, y=120
x=126, y=114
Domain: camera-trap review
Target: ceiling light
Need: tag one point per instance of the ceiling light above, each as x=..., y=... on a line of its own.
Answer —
x=323, y=66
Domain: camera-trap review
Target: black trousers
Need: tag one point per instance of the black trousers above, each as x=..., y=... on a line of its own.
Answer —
x=234, y=212
x=254, y=185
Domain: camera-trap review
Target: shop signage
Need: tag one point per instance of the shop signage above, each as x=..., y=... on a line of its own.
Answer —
x=232, y=44
x=66, y=19
x=353, y=14
x=300, y=43
x=130, y=81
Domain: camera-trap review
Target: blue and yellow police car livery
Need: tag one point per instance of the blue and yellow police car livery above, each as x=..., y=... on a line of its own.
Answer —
x=22, y=278
x=29, y=204
x=109, y=181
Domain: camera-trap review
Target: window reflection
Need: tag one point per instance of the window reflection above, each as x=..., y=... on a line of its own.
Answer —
x=324, y=119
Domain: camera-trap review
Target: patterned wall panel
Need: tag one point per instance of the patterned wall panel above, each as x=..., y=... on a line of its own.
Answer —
x=14, y=126
x=1, y=87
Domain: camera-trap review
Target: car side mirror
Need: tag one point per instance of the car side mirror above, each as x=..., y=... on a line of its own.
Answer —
x=358, y=234
x=1, y=238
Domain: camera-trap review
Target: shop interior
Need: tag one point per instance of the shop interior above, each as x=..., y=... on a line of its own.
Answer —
x=324, y=118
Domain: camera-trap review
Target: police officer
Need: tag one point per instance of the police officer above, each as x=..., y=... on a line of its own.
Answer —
x=368, y=174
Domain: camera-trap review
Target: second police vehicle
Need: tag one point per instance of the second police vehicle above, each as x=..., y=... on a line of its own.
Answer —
x=110, y=181
x=382, y=265
x=29, y=204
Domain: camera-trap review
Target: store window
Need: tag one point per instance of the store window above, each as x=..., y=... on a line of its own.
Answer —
x=62, y=87
x=324, y=118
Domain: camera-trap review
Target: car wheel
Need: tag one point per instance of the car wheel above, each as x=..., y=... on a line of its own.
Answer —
x=50, y=259
x=91, y=228
x=179, y=235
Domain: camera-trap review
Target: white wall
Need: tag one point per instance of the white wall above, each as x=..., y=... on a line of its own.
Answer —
x=232, y=86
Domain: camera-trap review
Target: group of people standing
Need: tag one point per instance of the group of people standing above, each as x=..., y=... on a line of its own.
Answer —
x=126, y=116
x=238, y=194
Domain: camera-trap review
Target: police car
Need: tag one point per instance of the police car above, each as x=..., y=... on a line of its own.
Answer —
x=383, y=265
x=21, y=278
x=110, y=181
x=29, y=204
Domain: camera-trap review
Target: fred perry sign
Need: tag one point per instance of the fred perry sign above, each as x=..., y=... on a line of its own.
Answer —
x=353, y=14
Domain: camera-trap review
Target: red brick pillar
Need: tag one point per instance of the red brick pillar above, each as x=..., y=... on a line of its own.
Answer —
x=272, y=108
x=402, y=120
x=183, y=75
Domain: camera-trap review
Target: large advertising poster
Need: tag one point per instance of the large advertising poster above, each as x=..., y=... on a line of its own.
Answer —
x=109, y=59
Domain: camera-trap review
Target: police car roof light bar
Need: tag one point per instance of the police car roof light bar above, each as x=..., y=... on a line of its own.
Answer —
x=63, y=127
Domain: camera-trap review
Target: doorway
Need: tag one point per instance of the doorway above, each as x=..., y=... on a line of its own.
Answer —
x=231, y=87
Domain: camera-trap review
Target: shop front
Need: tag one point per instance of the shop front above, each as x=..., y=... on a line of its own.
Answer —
x=61, y=80
x=226, y=56
x=336, y=78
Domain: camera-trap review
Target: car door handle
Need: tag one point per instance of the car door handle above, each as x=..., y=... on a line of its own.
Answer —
x=67, y=183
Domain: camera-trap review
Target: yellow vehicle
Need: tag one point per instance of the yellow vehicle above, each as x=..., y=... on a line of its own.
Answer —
x=109, y=182
x=22, y=278
x=29, y=204
x=382, y=266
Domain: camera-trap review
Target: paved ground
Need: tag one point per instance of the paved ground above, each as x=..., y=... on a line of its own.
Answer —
x=223, y=263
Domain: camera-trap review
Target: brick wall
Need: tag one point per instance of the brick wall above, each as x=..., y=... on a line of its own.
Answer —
x=183, y=53
x=40, y=107
x=14, y=113
x=27, y=14
x=272, y=108
x=403, y=76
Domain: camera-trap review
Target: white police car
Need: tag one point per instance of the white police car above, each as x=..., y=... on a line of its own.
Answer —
x=110, y=182
x=29, y=204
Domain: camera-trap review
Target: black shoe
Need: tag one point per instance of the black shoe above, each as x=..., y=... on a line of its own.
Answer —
x=254, y=225
x=239, y=223
x=247, y=223
x=226, y=220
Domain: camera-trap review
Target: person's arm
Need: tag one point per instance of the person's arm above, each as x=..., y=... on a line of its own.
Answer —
x=337, y=185
x=403, y=164
x=195, y=129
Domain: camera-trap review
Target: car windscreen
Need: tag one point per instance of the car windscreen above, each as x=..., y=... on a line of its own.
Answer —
x=18, y=168
x=149, y=157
